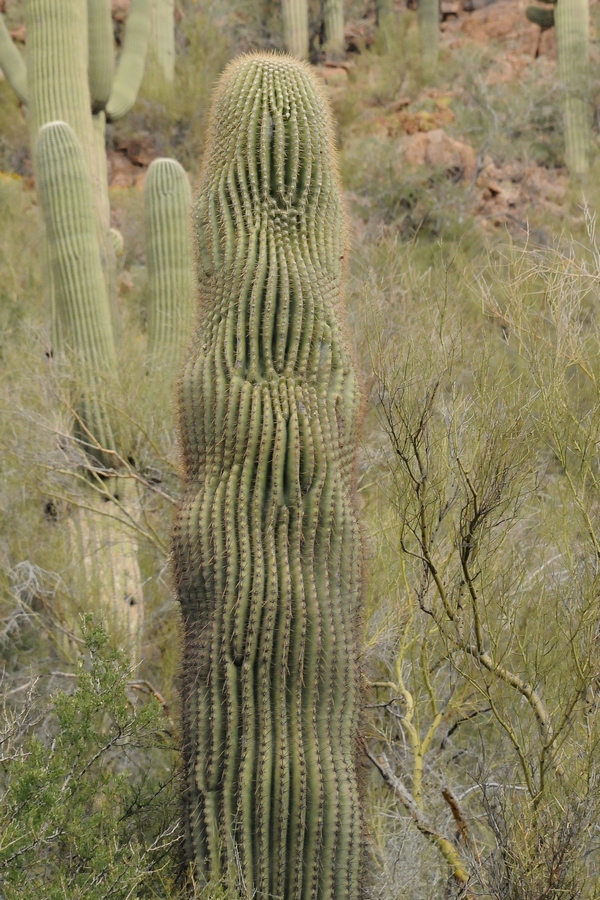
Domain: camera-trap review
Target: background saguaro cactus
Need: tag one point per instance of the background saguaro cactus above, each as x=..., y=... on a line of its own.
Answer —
x=12, y=63
x=333, y=20
x=167, y=200
x=266, y=546
x=573, y=39
x=428, y=12
x=295, y=27
x=162, y=36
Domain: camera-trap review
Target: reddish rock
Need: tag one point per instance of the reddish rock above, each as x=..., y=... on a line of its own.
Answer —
x=438, y=150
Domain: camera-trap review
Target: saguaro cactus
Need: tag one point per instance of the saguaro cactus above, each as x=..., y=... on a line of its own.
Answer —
x=573, y=40
x=333, y=20
x=162, y=36
x=266, y=545
x=295, y=27
x=12, y=63
x=81, y=302
x=167, y=201
x=428, y=12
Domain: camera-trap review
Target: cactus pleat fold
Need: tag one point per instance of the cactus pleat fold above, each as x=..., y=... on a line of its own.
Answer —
x=428, y=12
x=573, y=41
x=333, y=20
x=295, y=27
x=162, y=36
x=171, y=300
x=12, y=63
x=267, y=553
x=130, y=69
x=101, y=53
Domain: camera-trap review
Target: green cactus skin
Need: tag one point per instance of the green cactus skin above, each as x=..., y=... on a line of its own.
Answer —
x=162, y=38
x=80, y=297
x=333, y=19
x=130, y=70
x=540, y=16
x=167, y=202
x=429, y=34
x=101, y=54
x=295, y=27
x=267, y=554
x=573, y=41
x=12, y=63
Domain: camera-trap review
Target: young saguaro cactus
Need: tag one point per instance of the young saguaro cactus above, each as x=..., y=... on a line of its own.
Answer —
x=167, y=202
x=267, y=554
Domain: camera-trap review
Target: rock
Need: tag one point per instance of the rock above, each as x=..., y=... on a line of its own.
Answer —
x=139, y=150
x=438, y=150
x=19, y=35
x=122, y=173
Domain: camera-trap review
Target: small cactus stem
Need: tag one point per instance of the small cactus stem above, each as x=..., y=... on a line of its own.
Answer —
x=12, y=63
x=162, y=36
x=295, y=27
x=333, y=21
x=573, y=42
x=428, y=12
x=101, y=54
x=80, y=297
x=171, y=301
x=266, y=547
x=130, y=69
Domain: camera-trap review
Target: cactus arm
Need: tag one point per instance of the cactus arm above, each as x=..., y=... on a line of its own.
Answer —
x=167, y=203
x=162, y=38
x=573, y=41
x=429, y=34
x=101, y=56
x=80, y=298
x=333, y=18
x=266, y=533
x=295, y=27
x=130, y=69
x=12, y=63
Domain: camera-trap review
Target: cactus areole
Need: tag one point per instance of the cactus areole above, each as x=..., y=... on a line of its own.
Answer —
x=267, y=554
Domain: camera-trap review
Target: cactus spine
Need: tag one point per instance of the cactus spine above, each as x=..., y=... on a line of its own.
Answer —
x=428, y=12
x=167, y=201
x=333, y=20
x=12, y=63
x=573, y=40
x=266, y=545
x=295, y=27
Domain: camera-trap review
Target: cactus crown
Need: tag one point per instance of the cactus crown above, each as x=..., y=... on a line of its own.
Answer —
x=269, y=167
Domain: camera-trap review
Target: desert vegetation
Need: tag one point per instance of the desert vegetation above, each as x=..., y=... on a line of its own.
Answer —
x=246, y=653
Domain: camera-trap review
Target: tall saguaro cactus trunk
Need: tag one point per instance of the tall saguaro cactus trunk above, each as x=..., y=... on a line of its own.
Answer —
x=295, y=27
x=267, y=554
x=573, y=40
x=333, y=20
x=428, y=12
